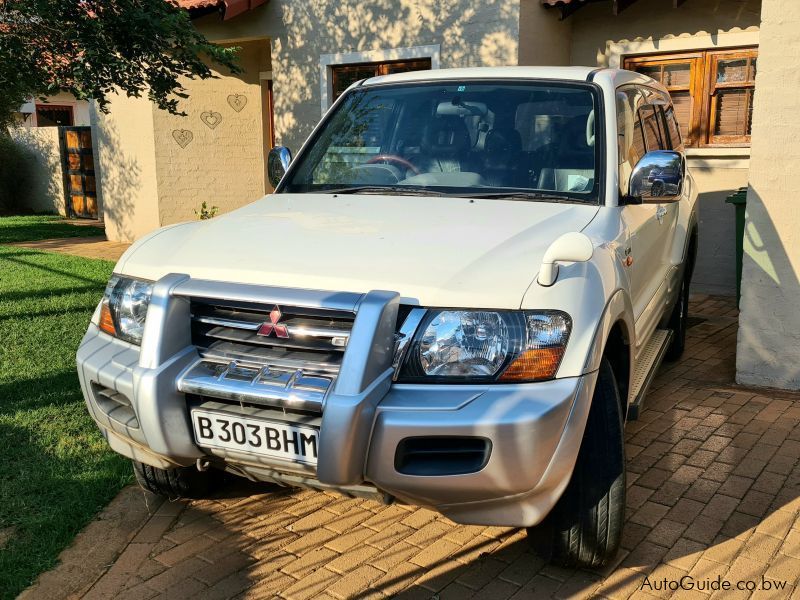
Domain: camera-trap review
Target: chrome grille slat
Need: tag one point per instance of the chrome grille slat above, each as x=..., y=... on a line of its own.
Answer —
x=238, y=364
x=296, y=327
x=279, y=388
x=242, y=336
x=225, y=352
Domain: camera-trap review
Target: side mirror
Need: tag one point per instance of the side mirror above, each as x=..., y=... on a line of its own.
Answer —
x=657, y=177
x=570, y=247
x=278, y=161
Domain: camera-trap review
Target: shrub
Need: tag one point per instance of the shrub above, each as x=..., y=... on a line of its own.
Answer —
x=205, y=212
x=15, y=174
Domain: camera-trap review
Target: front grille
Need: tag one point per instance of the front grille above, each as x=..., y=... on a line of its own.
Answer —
x=285, y=357
x=226, y=331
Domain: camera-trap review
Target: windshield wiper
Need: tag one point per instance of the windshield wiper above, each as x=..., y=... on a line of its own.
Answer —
x=383, y=189
x=522, y=195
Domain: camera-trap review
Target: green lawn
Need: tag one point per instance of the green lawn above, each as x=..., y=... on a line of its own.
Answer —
x=41, y=227
x=56, y=471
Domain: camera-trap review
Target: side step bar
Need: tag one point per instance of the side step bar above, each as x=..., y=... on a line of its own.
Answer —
x=649, y=361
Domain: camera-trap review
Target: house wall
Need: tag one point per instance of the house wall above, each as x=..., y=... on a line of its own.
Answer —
x=46, y=192
x=301, y=32
x=223, y=164
x=125, y=152
x=768, y=350
x=544, y=39
x=653, y=26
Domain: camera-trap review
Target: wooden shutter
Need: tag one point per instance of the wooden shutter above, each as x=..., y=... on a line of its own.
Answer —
x=731, y=85
x=682, y=75
x=712, y=92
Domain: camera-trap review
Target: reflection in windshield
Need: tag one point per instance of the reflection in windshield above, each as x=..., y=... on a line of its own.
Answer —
x=459, y=139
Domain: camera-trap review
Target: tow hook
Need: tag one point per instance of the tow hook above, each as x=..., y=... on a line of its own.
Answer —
x=203, y=464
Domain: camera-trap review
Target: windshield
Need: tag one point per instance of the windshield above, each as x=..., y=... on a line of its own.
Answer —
x=483, y=139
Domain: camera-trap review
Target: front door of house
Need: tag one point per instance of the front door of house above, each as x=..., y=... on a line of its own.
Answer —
x=77, y=163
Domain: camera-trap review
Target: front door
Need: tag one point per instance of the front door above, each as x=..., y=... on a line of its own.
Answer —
x=77, y=163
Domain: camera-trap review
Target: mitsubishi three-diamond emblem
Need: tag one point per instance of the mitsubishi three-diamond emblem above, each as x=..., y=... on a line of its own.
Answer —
x=268, y=327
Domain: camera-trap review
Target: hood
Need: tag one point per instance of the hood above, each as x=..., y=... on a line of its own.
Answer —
x=434, y=251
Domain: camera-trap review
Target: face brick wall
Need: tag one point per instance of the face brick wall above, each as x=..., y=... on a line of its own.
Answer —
x=217, y=152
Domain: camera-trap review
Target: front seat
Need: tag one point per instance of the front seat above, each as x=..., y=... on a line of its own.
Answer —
x=573, y=164
x=445, y=146
x=502, y=157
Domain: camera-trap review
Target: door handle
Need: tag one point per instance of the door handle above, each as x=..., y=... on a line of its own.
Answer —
x=660, y=212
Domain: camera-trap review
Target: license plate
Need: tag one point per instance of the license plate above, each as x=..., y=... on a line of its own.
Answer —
x=255, y=436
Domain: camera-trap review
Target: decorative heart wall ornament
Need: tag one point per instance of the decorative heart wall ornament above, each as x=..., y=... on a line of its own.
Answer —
x=183, y=137
x=211, y=118
x=237, y=102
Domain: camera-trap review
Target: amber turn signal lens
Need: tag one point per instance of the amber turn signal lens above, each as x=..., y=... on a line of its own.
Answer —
x=532, y=365
x=106, y=322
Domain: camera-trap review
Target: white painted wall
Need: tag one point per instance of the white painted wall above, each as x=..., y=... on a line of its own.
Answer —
x=768, y=350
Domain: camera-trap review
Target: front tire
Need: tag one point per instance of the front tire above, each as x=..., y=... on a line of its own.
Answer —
x=584, y=529
x=180, y=482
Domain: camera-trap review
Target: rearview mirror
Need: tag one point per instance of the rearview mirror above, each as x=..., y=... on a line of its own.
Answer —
x=278, y=161
x=658, y=177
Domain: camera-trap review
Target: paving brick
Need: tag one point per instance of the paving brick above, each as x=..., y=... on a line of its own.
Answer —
x=311, y=585
x=482, y=572
x=428, y=533
x=441, y=575
x=645, y=556
x=720, y=506
x=176, y=574
x=312, y=560
x=702, y=490
x=723, y=551
x=389, y=536
x=684, y=554
x=760, y=547
x=740, y=525
x=685, y=510
x=434, y=553
x=666, y=533
x=669, y=493
x=185, y=550
x=419, y=518
x=352, y=558
x=632, y=534
x=649, y=514
x=783, y=568
x=355, y=582
x=654, y=478
x=755, y=503
x=704, y=529
x=496, y=590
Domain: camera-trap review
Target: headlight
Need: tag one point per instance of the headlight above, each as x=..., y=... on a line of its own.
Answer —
x=459, y=346
x=124, y=308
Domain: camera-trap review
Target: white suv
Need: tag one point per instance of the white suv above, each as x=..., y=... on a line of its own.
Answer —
x=458, y=293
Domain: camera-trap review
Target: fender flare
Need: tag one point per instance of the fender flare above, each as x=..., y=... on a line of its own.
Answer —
x=618, y=309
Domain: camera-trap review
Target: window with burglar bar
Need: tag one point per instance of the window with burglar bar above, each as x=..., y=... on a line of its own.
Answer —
x=345, y=75
x=712, y=92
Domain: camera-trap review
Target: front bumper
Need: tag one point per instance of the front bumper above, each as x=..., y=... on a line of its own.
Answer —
x=533, y=431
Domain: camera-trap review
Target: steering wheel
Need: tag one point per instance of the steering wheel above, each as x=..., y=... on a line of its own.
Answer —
x=394, y=159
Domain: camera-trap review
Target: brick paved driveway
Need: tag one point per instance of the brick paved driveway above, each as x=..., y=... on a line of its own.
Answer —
x=714, y=490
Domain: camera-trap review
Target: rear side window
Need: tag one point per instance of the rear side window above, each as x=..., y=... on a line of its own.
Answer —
x=653, y=132
x=674, y=129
